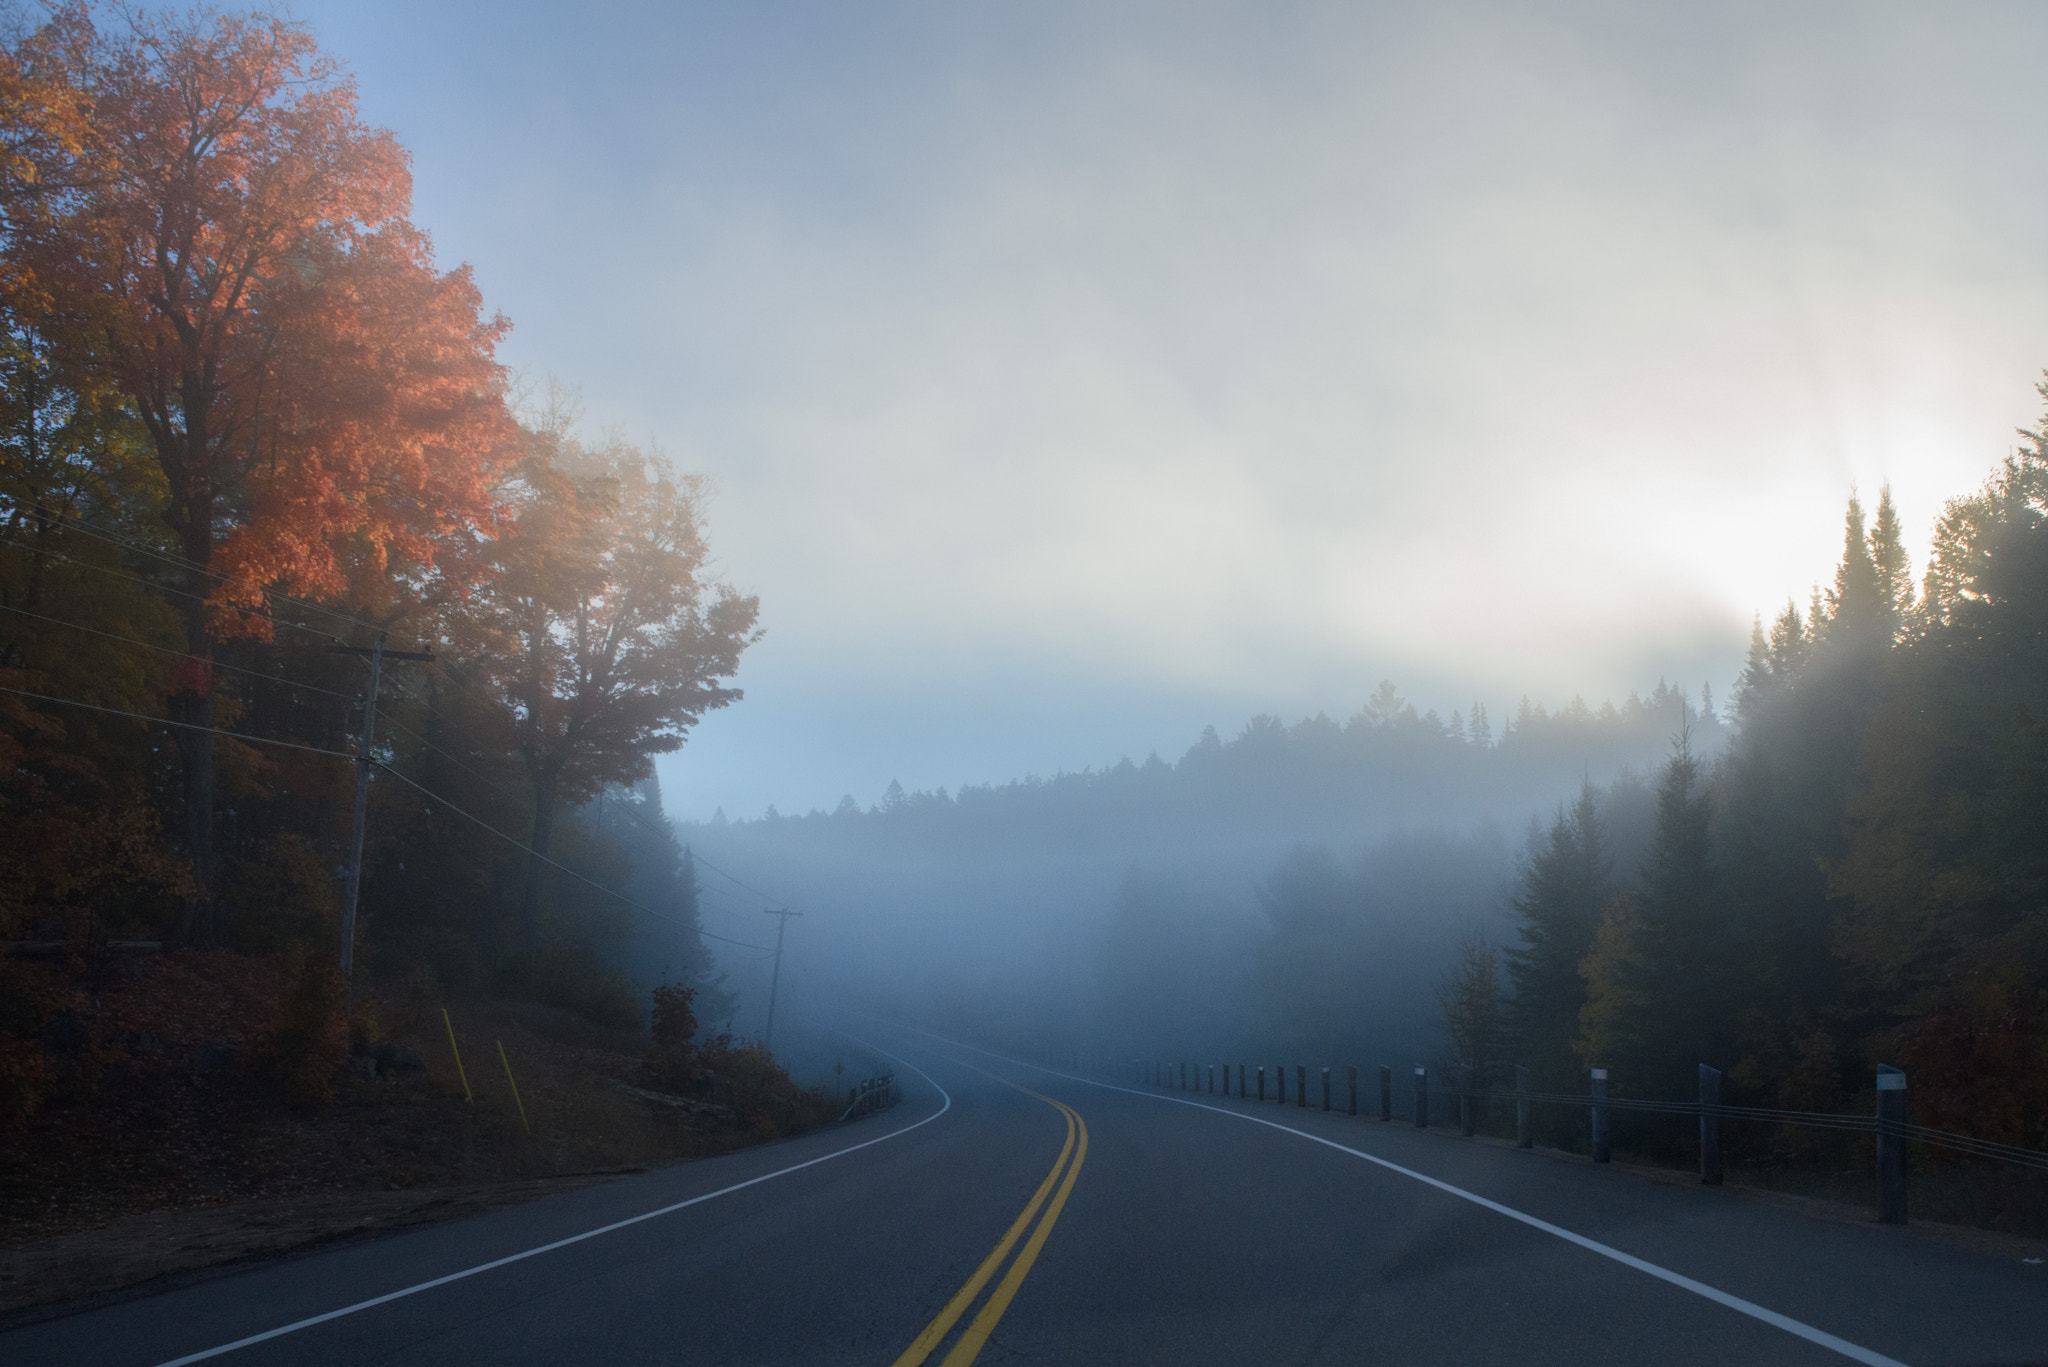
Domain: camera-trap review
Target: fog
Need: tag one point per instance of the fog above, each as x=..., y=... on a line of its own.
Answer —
x=1077, y=376
x=1294, y=887
x=1074, y=378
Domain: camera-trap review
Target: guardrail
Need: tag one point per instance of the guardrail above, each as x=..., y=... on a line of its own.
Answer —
x=1887, y=1122
x=870, y=1095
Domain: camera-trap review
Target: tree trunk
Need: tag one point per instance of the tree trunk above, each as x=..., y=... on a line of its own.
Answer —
x=543, y=833
x=194, y=707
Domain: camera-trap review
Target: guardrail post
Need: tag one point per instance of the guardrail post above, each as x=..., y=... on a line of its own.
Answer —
x=1262, y=1082
x=1524, y=1136
x=1326, y=1087
x=1466, y=1105
x=1602, y=1151
x=1710, y=1126
x=1891, y=1145
x=1421, y=1097
x=1351, y=1076
x=1386, y=1093
x=1301, y=1085
x=1212, y=1079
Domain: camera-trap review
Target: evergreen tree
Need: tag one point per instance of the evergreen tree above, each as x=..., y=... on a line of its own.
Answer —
x=1659, y=996
x=1566, y=879
x=1858, y=607
x=1894, y=571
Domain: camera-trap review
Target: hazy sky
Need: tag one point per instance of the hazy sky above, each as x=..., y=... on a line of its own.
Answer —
x=1077, y=375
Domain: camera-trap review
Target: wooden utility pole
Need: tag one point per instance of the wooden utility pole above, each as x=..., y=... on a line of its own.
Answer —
x=376, y=654
x=775, y=981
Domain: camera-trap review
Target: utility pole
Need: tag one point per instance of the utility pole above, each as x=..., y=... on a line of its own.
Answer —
x=364, y=763
x=775, y=982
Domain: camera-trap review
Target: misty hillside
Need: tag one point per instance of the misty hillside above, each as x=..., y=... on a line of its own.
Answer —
x=1045, y=890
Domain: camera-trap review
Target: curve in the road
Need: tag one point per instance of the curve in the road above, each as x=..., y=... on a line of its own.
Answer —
x=970, y=1342
x=521, y=1256
x=1853, y=1351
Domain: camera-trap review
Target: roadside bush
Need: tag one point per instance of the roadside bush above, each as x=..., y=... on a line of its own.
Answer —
x=671, y=1059
x=765, y=1101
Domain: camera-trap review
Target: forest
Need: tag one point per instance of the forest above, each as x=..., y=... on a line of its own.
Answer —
x=258, y=456
x=1843, y=865
x=258, y=450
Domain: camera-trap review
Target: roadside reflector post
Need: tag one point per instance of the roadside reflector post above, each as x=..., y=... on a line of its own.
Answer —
x=1891, y=1145
x=1351, y=1075
x=1524, y=1136
x=1602, y=1149
x=1386, y=1093
x=515, y=1088
x=1212, y=1079
x=1326, y=1087
x=458, y=1055
x=1301, y=1085
x=1710, y=1126
x=1421, y=1097
x=1262, y=1082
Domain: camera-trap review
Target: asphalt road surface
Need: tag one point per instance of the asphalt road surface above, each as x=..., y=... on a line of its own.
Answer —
x=1004, y=1213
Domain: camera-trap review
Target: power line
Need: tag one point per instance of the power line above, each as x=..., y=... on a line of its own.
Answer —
x=162, y=588
x=184, y=565
x=180, y=654
x=647, y=822
x=184, y=725
x=520, y=844
x=337, y=754
x=180, y=563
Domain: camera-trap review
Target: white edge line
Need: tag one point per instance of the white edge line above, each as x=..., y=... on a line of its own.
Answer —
x=389, y=1296
x=1791, y=1326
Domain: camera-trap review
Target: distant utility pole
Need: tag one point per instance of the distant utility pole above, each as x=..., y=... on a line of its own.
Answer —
x=774, y=982
x=376, y=654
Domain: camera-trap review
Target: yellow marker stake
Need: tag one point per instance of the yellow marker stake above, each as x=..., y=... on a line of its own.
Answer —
x=515, y=1087
x=458, y=1055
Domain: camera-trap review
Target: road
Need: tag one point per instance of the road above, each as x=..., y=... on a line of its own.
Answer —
x=1005, y=1213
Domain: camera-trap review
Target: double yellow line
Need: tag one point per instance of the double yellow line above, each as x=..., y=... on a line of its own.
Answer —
x=976, y=1334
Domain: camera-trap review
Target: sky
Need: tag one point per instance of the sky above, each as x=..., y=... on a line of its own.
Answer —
x=1074, y=376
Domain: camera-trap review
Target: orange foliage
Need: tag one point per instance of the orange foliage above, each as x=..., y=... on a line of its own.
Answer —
x=321, y=399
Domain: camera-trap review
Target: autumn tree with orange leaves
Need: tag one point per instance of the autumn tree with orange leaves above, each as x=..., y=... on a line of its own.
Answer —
x=601, y=624
x=228, y=244
x=241, y=412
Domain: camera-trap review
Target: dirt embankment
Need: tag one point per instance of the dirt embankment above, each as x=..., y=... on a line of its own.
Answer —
x=156, y=1151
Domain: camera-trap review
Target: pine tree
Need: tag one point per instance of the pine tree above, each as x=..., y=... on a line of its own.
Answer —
x=1566, y=879
x=1658, y=999
x=1894, y=571
x=1858, y=606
